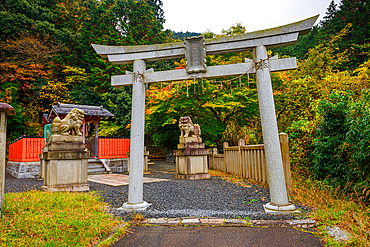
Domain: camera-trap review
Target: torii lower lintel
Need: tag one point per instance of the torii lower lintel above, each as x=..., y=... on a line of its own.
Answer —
x=212, y=72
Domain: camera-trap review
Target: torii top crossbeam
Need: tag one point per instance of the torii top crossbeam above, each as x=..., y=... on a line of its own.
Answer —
x=196, y=49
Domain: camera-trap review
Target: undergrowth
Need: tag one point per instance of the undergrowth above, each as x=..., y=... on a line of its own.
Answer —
x=37, y=218
x=330, y=207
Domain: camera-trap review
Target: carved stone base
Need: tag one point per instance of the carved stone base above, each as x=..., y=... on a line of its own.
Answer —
x=23, y=169
x=63, y=172
x=183, y=140
x=63, y=146
x=69, y=187
x=65, y=138
x=191, y=163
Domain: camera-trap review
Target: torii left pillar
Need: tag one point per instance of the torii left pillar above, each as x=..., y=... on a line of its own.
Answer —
x=135, y=190
x=5, y=110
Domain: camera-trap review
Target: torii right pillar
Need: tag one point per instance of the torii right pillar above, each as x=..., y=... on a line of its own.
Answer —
x=279, y=199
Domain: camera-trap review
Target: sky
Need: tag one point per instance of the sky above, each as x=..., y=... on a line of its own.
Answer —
x=215, y=15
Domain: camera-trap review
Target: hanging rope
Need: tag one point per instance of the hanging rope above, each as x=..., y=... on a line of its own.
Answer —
x=231, y=87
x=263, y=63
x=187, y=88
x=194, y=85
x=202, y=87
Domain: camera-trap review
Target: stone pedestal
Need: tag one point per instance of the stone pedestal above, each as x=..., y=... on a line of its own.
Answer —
x=23, y=169
x=65, y=164
x=191, y=161
x=5, y=110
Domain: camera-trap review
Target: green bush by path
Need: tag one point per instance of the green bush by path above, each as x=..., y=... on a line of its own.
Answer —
x=37, y=218
x=340, y=150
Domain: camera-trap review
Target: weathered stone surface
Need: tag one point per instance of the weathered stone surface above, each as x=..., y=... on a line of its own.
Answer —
x=193, y=176
x=236, y=221
x=191, y=145
x=191, y=152
x=117, y=165
x=65, y=138
x=69, y=187
x=64, y=146
x=191, y=158
x=71, y=123
x=69, y=155
x=189, y=132
x=157, y=221
x=135, y=193
x=195, y=54
x=190, y=165
x=212, y=72
x=338, y=234
x=65, y=174
x=301, y=222
x=212, y=221
x=5, y=110
x=23, y=169
x=273, y=37
x=190, y=221
x=274, y=162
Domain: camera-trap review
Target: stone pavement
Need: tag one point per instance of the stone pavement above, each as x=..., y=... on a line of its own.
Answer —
x=217, y=236
x=194, y=221
x=118, y=179
x=220, y=232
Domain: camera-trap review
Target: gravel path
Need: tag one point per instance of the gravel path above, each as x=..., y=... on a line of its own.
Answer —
x=212, y=197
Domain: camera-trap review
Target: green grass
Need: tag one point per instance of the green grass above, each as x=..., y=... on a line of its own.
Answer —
x=37, y=218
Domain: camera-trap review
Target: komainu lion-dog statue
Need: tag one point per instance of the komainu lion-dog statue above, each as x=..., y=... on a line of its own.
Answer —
x=71, y=123
x=187, y=128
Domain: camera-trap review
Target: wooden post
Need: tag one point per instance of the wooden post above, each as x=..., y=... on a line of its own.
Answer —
x=5, y=110
x=284, y=144
x=226, y=145
x=97, y=139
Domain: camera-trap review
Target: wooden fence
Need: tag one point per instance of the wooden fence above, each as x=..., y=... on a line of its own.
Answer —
x=26, y=149
x=249, y=161
x=111, y=148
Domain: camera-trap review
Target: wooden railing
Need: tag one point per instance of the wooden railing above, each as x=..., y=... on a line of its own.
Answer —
x=26, y=149
x=249, y=161
x=111, y=148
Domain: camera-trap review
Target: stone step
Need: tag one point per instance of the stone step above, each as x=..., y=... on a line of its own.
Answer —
x=95, y=165
x=97, y=173
x=95, y=170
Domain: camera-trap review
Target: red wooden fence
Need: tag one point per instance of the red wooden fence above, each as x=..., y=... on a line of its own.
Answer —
x=111, y=148
x=26, y=149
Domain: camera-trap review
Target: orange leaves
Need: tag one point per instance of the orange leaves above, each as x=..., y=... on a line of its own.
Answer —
x=10, y=71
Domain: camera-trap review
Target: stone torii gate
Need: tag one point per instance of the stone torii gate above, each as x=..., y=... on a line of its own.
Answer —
x=195, y=49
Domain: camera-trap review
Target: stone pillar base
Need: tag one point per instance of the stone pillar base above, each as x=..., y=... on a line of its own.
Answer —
x=23, y=169
x=134, y=207
x=65, y=170
x=69, y=187
x=192, y=162
x=286, y=209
